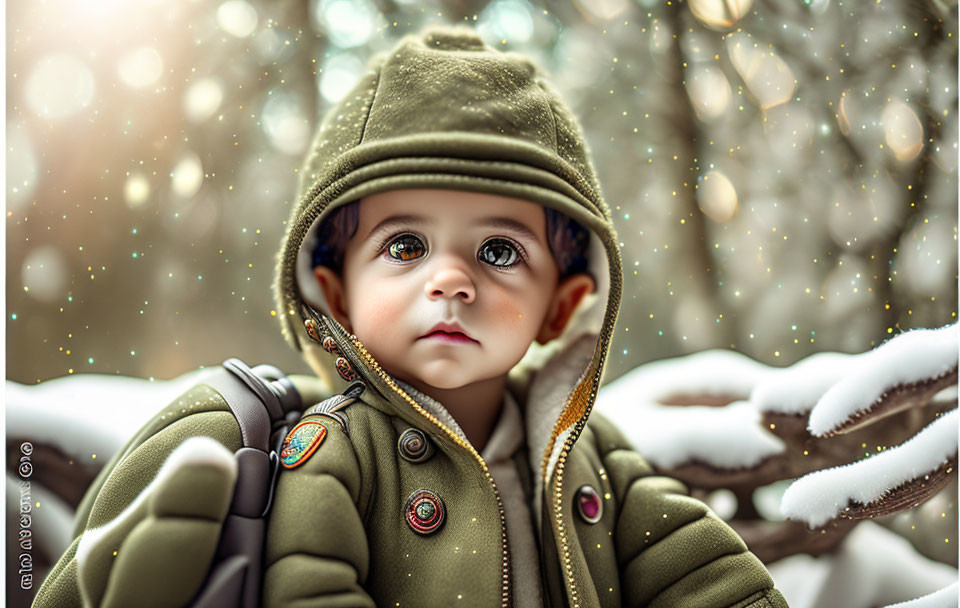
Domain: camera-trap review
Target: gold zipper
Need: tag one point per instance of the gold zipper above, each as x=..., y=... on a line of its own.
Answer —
x=372, y=363
x=558, y=487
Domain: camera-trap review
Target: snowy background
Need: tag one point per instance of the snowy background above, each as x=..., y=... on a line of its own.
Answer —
x=783, y=177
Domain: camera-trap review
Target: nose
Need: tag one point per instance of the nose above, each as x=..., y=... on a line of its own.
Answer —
x=450, y=282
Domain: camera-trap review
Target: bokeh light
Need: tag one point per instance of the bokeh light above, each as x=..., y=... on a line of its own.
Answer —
x=44, y=274
x=506, y=20
x=202, y=99
x=349, y=23
x=286, y=122
x=717, y=196
x=21, y=167
x=719, y=14
x=927, y=258
x=340, y=73
x=140, y=68
x=58, y=86
x=187, y=175
x=601, y=10
x=237, y=18
x=136, y=190
x=769, y=78
x=709, y=92
x=903, y=130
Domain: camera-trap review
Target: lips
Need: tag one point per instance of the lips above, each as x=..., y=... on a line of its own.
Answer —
x=448, y=332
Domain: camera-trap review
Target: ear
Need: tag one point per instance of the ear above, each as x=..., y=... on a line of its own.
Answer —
x=332, y=286
x=565, y=300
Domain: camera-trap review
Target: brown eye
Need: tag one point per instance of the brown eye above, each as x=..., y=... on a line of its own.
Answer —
x=499, y=252
x=406, y=247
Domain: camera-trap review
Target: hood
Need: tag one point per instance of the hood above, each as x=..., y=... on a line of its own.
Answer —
x=444, y=110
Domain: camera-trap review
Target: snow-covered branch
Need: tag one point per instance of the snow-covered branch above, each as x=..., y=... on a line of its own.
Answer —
x=904, y=372
x=901, y=478
x=718, y=419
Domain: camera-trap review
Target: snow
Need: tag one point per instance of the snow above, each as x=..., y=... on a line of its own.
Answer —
x=796, y=389
x=945, y=598
x=800, y=577
x=910, y=357
x=872, y=567
x=830, y=386
x=728, y=437
x=820, y=496
x=946, y=396
x=70, y=412
x=719, y=373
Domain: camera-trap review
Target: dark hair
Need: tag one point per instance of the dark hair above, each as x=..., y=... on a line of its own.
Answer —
x=567, y=239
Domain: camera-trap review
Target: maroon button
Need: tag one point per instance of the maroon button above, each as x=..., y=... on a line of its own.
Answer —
x=589, y=504
x=424, y=512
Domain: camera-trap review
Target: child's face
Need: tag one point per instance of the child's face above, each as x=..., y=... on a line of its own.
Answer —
x=423, y=257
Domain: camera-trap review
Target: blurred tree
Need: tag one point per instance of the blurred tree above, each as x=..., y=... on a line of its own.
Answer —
x=783, y=174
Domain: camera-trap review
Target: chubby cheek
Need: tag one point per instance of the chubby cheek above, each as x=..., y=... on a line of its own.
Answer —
x=510, y=313
x=517, y=321
x=375, y=317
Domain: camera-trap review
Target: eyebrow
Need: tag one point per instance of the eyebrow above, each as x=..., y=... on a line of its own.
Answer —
x=504, y=223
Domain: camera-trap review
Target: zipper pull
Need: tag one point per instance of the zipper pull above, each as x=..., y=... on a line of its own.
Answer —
x=338, y=402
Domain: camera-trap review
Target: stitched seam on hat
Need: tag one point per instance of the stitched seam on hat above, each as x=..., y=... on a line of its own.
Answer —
x=337, y=185
x=553, y=117
x=366, y=119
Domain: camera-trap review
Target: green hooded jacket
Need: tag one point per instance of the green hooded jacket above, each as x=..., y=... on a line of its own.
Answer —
x=392, y=506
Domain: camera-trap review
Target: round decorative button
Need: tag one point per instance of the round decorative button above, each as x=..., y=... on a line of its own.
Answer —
x=414, y=446
x=330, y=345
x=311, y=326
x=346, y=372
x=424, y=512
x=589, y=504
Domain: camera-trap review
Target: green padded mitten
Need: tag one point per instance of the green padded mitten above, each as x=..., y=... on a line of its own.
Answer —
x=158, y=551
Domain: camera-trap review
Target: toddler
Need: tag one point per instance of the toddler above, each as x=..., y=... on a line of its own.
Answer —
x=453, y=252
x=452, y=255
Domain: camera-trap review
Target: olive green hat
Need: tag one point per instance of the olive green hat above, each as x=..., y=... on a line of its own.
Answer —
x=441, y=110
x=444, y=110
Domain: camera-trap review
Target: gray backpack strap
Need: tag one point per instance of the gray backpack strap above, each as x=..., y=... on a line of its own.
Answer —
x=251, y=414
x=257, y=403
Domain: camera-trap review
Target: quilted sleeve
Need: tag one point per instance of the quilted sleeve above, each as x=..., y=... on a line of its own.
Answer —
x=317, y=554
x=163, y=492
x=672, y=550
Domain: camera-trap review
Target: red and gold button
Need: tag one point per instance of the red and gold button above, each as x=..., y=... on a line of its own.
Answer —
x=425, y=512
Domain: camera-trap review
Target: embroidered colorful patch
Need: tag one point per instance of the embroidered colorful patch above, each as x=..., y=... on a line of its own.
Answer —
x=301, y=443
